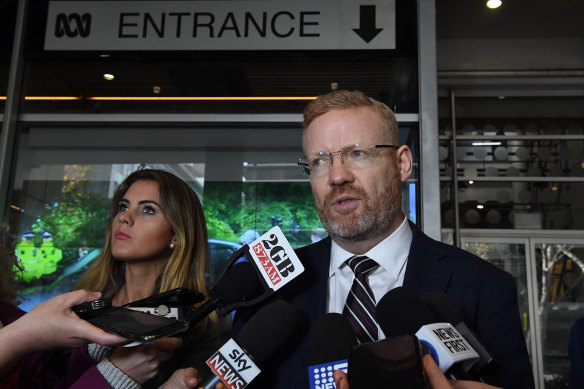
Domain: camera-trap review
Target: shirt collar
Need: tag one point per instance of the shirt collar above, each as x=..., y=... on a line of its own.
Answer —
x=390, y=253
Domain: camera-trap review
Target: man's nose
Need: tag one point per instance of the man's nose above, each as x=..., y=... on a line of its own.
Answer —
x=339, y=174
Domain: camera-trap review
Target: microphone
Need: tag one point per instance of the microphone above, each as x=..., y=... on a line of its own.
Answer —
x=238, y=284
x=236, y=362
x=251, y=274
x=448, y=310
x=330, y=344
x=397, y=360
x=450, y=350
x=401, y=312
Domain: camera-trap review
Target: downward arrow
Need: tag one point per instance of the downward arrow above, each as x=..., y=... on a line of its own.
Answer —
x=367, y=30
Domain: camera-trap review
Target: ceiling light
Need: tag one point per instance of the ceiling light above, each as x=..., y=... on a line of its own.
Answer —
x=471, y=182
x=104, y=55
x=488, y=143
x=554, y=188
x=156, y=89
x=492, y=4
x=480, y=206
x=108, y=76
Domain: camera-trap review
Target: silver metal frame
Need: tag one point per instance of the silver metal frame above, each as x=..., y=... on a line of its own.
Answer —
x=13, y=96
x=529, y=238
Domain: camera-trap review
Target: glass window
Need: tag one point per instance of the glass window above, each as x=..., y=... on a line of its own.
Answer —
x=513, y=172
x=7, y=25
x=561, y=302
x=215, y=81
x=247, y=180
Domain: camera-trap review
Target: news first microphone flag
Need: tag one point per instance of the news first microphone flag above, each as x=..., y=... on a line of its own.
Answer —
x=278, y=264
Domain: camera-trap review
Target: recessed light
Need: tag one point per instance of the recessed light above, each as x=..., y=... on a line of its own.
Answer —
x=480, y=206
x=487, y=143
x=108, y=76
x=492, y=4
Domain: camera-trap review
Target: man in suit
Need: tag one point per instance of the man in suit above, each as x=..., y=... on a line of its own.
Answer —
x=356, y=166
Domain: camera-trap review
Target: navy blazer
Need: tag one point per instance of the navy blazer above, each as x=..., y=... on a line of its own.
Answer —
x=486, y=294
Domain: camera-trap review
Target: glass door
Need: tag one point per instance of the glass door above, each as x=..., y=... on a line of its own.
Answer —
x=560, y=302
x=549, y=276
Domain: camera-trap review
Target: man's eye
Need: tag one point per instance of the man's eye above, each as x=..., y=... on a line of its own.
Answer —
x=359, y=154
x=317, y=162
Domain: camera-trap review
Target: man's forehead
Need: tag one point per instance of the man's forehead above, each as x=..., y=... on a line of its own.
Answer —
x=335, y=138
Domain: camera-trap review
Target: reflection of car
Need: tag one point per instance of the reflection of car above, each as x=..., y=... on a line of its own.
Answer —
x=220, y=251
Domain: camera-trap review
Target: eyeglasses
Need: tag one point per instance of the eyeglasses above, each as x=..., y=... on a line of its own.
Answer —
x=356, y=156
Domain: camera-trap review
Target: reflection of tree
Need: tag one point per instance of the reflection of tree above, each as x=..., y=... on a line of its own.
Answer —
x=77, y=218
x=560, y=273
x=479, y=249
x=231, y=209
x=557, y=262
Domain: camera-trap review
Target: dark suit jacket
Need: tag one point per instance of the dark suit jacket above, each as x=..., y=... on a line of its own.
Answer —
x=485, y=293
x=576, y=352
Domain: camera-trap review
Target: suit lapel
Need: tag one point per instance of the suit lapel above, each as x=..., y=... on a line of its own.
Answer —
x=427, y=269
x=311, y=292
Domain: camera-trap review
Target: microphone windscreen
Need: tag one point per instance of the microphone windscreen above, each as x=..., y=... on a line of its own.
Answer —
x=268, y=330
x=444, y=307
x=239, y=283
x=401, y=312
x=331, y=339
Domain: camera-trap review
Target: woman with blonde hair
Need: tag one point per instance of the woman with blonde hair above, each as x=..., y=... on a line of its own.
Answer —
x=156, y=241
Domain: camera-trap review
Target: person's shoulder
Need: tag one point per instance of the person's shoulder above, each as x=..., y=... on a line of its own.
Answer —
x=460, y=259
x=317, y=248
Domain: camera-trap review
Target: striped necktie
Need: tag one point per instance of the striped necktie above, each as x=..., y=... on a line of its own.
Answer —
x=360, y=306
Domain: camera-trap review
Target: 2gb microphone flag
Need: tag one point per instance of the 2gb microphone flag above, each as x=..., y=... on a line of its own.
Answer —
x=277, y=261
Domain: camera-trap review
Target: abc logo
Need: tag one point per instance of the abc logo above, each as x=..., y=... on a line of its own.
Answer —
x=72, y=25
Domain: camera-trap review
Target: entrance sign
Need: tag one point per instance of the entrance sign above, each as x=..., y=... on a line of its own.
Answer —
x=221, y=25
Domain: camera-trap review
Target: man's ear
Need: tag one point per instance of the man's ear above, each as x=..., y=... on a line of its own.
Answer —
x=405, y=162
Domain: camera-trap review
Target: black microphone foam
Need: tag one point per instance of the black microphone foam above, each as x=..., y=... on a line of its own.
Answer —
x=268, y=330
x=239, y=283
x=443, y=306
x=331, y=339
x=401, y=312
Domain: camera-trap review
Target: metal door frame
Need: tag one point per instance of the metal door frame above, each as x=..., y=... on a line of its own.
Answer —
x=529, y=238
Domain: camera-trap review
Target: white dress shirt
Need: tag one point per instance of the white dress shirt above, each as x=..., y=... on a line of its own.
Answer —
x=391, y=254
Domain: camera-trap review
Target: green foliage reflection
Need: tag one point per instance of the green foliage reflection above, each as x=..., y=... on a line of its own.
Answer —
x=233, y=208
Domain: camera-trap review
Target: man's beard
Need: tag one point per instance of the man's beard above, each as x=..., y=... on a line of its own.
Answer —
x=377, y=212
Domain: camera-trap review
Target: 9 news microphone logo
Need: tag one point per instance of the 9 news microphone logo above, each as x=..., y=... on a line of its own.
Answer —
x=321, y=376
x=275, y=258
x=233, y=366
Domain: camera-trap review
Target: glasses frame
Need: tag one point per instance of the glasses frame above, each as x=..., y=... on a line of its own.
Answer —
x=305, y=165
